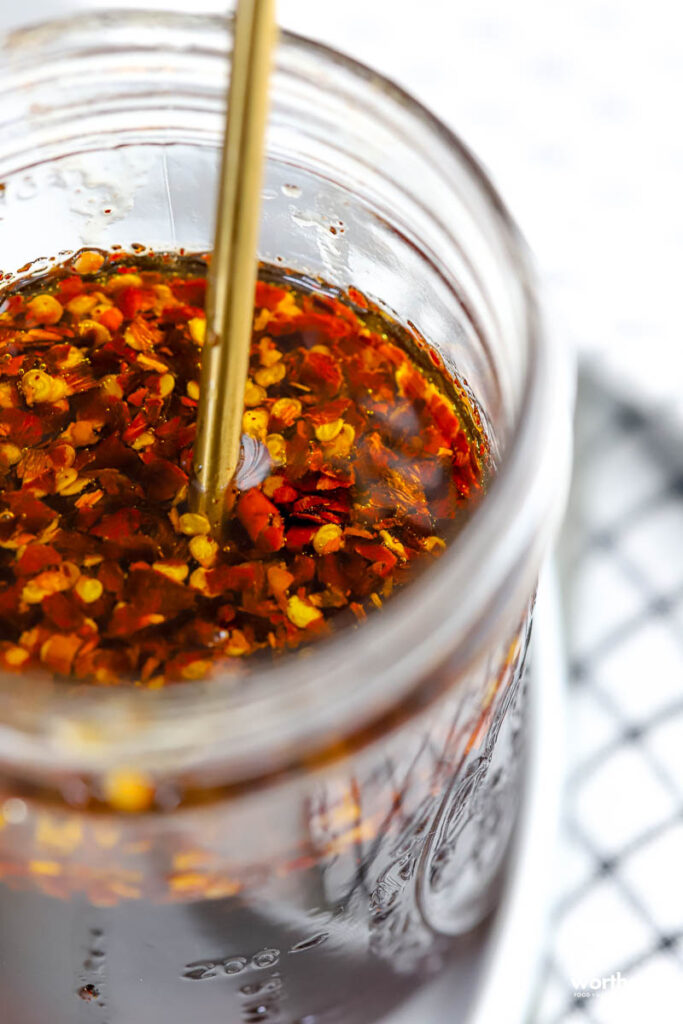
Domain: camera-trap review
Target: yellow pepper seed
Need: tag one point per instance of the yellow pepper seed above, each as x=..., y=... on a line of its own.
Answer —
x=45, y=309
x=394, y=545
x=124, y=281
x=7, y=393
x=433, y=544
x=175, y=571
x=131, y=339
x=153, y=619
x=50, y=868
x=268, y=375
x=33, y=593
x=341, y=445
x=255, y=423
x=328, y=431
x=271, y=484
x=75, y=487
x=196, y=669
x=277, y=448
x=237, y=644
x=187, y=881
x=15, y=657
x=286, y=410
x=197, y=329
x=164, y=295
x=88, y=589
x=270, y=353
x=149, y=363
x=98, y=332
x=204, y=550
x=103, y=304
x=80, y=305
x=254, y=395
x=9, y=455
x=128, y=791
x=198, y=581
x=262, y=319
x=193, y=523
x=81, y=432
x=328, y=538
x=144, y=440
x=50, y=582
x=74, y=357
x=166, y=384
x=110, y=386
x=288, y=305
x=39, y=386
x=90, y=560
x=64, y=478
x=302, y=614
x=192, y=390
x=88, y=262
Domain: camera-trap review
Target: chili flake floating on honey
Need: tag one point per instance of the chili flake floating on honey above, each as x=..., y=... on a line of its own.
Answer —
x=106, y=576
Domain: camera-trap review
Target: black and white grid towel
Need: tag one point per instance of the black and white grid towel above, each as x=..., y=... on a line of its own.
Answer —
x=616, y=947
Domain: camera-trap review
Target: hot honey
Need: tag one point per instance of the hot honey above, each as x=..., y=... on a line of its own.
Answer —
x=361, y=458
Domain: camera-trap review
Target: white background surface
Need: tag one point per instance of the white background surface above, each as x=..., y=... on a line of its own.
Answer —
x=575, y=108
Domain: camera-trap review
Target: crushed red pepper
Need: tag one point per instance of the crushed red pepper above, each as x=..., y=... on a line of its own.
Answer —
x=372, y=453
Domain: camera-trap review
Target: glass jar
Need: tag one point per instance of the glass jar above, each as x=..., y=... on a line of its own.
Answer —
x=324, y=836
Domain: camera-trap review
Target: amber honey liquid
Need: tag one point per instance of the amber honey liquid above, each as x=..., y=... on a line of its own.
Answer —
x=364, y=920
x=362, y=456
x=328, y=898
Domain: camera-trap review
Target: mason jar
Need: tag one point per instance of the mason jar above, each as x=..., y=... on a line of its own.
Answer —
x=326, y=831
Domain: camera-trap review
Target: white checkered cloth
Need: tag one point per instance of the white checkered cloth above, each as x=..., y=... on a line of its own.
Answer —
x=616, y=948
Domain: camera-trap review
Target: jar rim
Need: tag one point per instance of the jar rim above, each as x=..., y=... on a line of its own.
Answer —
x=344, y=682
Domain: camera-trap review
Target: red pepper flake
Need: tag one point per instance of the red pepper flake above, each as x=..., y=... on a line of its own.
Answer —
x=137, y=398
x=33, y=515
x=164, y=480
x=261, y=519
x=357, y=298
x=321, y=370
x=383, y=560
x=299, y=536
x=24, y=429
x=268, y=296
x=112, y=577
x=111, y=318
x=69, y=287
x=118, y=525
x=63, y=611
x=285, y=494
x=130, y=301
x=106, y=580
x=59, y=651
x=321, y=509
x=36, y=557
x=329, y=412
x=190, y=291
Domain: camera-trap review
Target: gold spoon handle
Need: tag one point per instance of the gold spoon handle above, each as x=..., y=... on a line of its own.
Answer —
x=232, y=274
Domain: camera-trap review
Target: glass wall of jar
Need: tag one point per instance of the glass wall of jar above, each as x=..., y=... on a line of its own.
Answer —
x=322, y=831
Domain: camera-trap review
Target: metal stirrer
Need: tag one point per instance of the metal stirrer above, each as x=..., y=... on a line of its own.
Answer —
x=232, y=273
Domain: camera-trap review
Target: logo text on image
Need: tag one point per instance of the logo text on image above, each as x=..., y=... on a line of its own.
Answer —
x=584, y=988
